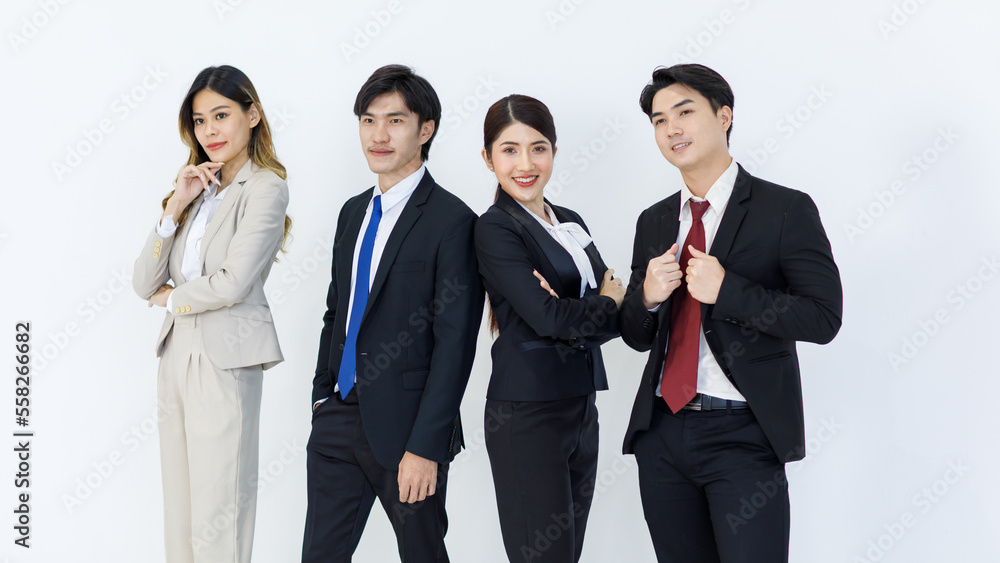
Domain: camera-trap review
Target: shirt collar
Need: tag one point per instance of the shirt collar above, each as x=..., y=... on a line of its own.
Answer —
x=212, y=192
x=213, y=189
x=401, y=190
x=548, y=211
x=718, y=195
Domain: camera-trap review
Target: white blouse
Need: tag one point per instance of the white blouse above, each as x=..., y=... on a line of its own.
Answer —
x=574, y=239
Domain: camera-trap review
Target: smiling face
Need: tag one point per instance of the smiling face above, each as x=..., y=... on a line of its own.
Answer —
x=521, y=158
x=690, y=134
x=222, y=127
x=391, y=137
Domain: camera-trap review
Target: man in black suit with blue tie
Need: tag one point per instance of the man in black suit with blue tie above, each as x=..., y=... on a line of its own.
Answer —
x=719, y=407
x=399, y=336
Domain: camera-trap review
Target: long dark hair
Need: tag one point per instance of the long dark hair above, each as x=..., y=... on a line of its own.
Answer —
x=229, y=82
x=515, y=108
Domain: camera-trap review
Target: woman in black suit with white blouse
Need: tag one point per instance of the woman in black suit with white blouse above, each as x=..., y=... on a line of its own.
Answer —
x=553, y=303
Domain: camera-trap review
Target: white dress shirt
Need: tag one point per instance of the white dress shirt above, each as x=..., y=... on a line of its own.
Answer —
x=191, y=267
x=574, y=239
x=711, y=379
x=393, y=201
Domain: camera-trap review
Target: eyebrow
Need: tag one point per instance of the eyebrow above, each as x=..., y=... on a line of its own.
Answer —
x=675, y=106
x=390, y=114
x=515, y=143
x=213, y=109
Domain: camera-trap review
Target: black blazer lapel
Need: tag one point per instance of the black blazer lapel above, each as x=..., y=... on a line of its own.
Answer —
x=411, y=212
x=731, y=220
x=729, y=225
x=567, y=284
x=669, y=226
x=596, y=262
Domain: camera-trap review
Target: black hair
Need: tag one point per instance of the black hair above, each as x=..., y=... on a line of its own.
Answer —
x=417, y=93
x=697, y=77
x=517, y=108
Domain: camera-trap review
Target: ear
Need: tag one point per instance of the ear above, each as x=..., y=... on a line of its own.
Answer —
x=726, y=117
x=426, y=130
x=486, y=159
x=554, y=150
x=254, y=115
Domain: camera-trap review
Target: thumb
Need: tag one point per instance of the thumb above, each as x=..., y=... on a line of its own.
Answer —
x=672, y=251
x=696, y=253
x=608, y=274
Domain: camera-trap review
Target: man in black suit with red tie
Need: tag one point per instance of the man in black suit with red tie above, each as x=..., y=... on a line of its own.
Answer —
x=719, y=407
x=399, y=336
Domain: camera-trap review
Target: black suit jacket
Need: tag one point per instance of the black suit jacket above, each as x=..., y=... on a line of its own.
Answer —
x=781, y=285
x=418, y=334
x=548, y=348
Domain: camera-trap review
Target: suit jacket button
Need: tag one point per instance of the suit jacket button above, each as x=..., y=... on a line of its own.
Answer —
x=341, y=347
x=156, y=255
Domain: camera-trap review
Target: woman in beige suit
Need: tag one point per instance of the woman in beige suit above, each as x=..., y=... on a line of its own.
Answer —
x=219, y=233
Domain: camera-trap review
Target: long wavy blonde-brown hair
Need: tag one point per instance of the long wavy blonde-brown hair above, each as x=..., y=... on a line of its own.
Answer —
x=231, y=83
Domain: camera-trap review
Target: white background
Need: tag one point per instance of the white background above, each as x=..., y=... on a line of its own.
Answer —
x=835, y=99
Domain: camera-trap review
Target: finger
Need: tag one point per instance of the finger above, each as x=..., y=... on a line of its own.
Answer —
x=666, y=272
x=431, y=488
x=149, y=303
x=404, y=493
x=669, y=257
x=697, y=253
x=671, y=252
x=545, y=284
x=209, y=172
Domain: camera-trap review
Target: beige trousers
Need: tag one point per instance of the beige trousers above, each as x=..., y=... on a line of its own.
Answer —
x=209, y=430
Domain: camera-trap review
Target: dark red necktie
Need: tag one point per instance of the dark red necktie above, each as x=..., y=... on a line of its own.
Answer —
x=679, y=383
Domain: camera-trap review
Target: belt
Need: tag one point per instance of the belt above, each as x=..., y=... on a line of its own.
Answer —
x=704, y=403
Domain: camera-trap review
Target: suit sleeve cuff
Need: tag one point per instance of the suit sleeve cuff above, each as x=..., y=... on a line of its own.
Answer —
x=166, y=226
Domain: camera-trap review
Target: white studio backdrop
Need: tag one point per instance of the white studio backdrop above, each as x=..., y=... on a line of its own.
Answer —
x=883, y=111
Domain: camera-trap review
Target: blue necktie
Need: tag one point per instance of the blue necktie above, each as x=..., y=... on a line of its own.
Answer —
x=348, y=363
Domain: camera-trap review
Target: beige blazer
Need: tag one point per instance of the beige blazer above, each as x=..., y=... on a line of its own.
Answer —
x=237, y=252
